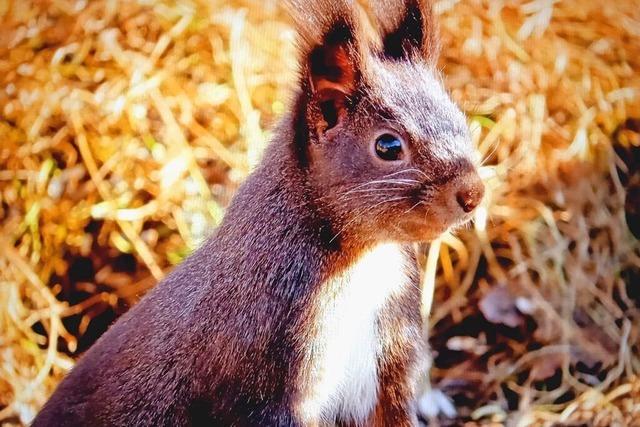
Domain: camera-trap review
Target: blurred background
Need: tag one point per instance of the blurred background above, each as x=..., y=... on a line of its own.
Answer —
x=126, y=127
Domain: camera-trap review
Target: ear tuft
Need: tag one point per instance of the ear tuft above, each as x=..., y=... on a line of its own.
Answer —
x=320, y=21
x=410, y=34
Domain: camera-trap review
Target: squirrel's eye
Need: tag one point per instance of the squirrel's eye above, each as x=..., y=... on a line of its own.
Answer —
x=388, y=147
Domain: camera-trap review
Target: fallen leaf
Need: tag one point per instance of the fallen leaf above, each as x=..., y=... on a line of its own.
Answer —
x=500, y=306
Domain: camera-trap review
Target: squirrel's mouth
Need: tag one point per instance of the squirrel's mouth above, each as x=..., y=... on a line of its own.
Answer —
x=420, y=230
x=430, y=222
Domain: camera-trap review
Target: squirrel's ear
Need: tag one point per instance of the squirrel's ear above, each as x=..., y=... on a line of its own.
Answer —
x=410, y=34
x=333, y=64
x=331, y=57
x=332, y=72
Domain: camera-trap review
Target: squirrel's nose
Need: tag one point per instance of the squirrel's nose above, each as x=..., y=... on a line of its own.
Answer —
x=470, y=193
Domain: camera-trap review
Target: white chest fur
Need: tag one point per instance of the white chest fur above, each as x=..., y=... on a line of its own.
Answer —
x=342, y=359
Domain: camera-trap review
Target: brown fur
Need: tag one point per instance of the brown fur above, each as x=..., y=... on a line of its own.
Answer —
x=222, y=340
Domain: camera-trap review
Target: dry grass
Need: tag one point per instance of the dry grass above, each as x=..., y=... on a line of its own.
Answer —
x=126, y=126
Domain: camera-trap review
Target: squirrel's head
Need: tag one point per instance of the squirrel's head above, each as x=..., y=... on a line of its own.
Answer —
x=385, y=149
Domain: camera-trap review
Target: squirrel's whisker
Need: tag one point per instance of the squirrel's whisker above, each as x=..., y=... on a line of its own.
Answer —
x=359, y=215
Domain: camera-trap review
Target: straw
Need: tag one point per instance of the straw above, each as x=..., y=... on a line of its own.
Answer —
x=126, y=126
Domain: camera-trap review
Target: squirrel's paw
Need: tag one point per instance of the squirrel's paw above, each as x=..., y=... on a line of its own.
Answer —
x=434, y=403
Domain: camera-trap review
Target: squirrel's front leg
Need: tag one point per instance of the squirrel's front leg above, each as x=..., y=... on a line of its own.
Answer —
x=406, y=395
x=399, y=385
x=396, y=405
x=402, y=363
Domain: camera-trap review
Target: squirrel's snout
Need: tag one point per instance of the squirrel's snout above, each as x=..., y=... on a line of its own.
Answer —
x=470, y=192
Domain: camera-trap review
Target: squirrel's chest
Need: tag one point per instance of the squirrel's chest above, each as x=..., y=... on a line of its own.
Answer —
x=340, y=373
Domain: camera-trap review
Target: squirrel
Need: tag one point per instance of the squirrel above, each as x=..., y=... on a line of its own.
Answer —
x=303, y=308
